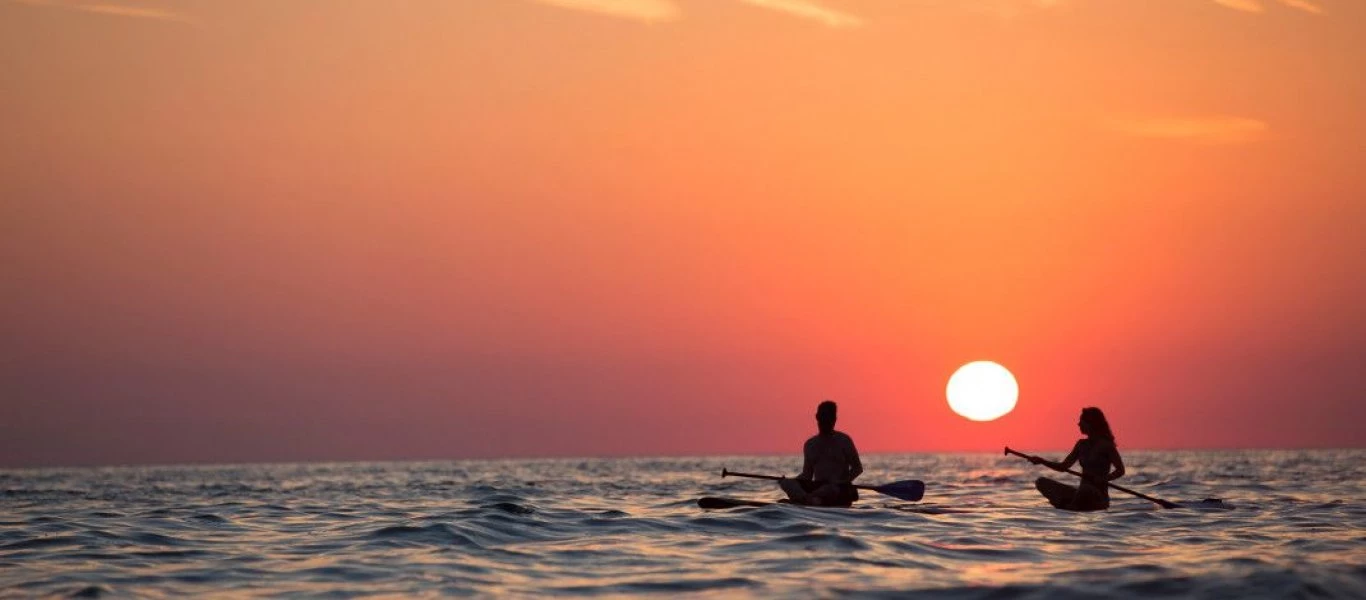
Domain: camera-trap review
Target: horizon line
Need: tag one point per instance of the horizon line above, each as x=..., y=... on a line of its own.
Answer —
x=212, y=463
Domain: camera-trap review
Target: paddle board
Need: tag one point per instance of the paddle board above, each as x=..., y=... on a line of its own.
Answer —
x=715, y=502
x=1060, y=495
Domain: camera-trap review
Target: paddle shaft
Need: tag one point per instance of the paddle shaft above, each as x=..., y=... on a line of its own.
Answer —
x=1164, y=503
x=911, y=490
x=725, y=473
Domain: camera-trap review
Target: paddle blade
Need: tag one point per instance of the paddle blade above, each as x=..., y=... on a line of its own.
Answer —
x=911, y=490
x=1206, y=504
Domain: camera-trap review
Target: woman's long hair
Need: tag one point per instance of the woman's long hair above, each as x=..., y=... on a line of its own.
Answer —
x=1099, y=426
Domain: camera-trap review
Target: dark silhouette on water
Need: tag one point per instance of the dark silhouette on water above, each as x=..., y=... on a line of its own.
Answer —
x=1096, y=452
x=910, y=490
x=714, y=502
x=1206, y=503
x=829, y=466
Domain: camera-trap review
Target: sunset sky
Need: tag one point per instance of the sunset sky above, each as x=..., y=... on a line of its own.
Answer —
x=259, y=230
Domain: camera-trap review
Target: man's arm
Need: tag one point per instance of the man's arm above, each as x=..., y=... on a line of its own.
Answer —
x=855, y=465
x=808, y=466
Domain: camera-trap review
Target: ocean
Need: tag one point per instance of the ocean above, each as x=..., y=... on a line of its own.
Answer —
x=631, y=527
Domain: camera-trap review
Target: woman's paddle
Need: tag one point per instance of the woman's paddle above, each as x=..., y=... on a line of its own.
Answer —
x=1160, y=501
x=910, y=490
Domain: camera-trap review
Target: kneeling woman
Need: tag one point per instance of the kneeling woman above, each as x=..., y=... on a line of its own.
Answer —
x=1096, y=452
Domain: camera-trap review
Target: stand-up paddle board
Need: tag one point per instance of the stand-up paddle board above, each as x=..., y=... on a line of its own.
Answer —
x=1060, y=496
x=715, y=502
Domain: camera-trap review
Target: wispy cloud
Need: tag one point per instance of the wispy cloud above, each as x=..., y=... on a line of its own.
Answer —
x=1252, y=6
x=809, y=9
x=135, y=12
x=114, y=10
x=649, y=11
x=1258, y=6
x=1304, y=5
x=1207, y=130
x=1012, y=8
x=1007, y=9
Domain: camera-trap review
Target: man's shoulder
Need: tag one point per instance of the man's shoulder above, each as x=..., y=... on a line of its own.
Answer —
x=836, y=437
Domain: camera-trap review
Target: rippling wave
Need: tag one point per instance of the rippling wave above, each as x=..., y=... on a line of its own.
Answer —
x=632, y=527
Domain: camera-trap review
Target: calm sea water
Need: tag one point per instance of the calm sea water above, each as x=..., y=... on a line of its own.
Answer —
x=631, y=527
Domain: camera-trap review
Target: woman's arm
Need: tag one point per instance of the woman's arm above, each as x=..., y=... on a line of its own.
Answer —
x=1118, y=462
x=1060, y=466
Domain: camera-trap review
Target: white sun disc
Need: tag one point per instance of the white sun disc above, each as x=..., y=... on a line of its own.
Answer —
x=982, y=391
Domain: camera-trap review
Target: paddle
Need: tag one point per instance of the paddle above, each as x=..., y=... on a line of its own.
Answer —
x=1160, y=501
x=910, y=490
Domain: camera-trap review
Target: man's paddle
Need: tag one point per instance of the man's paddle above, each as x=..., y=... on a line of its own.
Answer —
x=1160, y=501
x=910, y=490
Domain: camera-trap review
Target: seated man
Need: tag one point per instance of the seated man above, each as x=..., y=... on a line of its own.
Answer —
x=830, y=466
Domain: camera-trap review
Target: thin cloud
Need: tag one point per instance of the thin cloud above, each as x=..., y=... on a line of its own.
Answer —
x=649, y=11
x=114, y=10
x=1207, y=130
x=1007, y=9
x=809, y=9
x=1304, y=5
x=1257, y=6
x=1252, y=6
x=135, y=12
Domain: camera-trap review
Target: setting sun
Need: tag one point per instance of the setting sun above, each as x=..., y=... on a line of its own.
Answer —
x=982, y=391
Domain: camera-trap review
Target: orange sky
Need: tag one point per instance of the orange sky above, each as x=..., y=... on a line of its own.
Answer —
x=258, y=230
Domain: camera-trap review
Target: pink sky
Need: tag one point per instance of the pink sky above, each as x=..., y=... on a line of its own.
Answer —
x=275, y=231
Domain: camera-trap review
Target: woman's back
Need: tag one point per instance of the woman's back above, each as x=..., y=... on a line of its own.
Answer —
x=1094, y=456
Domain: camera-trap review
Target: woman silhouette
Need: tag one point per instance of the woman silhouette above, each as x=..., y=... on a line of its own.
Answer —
x=1096, y=452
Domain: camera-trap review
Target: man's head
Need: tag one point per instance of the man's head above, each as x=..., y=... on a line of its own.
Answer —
x=825, y=416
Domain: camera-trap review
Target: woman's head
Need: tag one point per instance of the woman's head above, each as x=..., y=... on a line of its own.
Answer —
x=1093, y=423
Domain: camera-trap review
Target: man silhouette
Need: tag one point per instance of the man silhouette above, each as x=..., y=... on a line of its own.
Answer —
x=829, y=466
